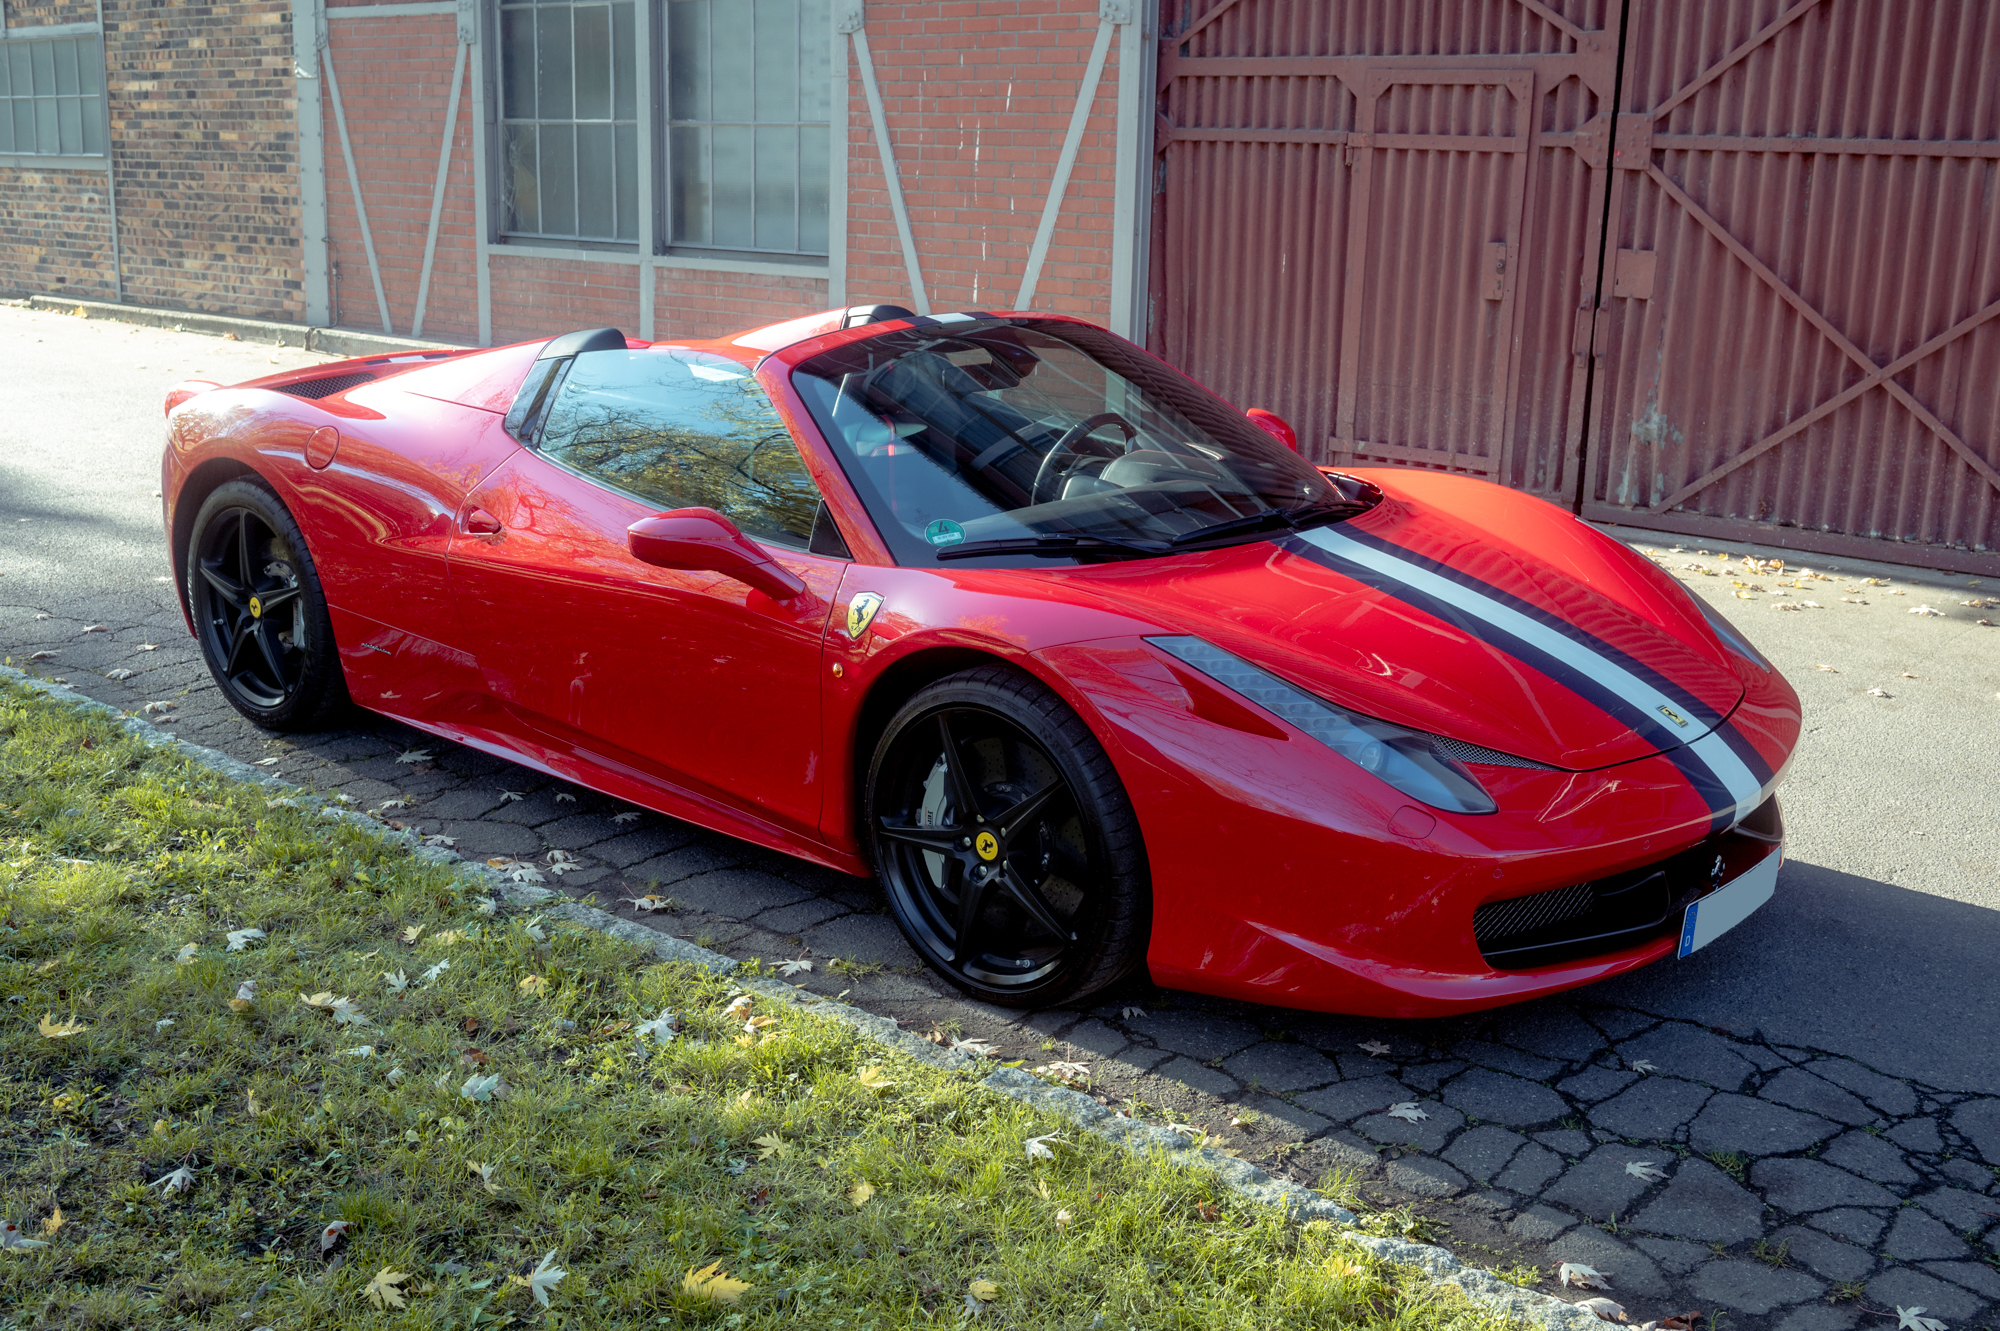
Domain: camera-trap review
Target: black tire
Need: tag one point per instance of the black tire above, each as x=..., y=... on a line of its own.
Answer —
x=259, y=612
x=1062, y=901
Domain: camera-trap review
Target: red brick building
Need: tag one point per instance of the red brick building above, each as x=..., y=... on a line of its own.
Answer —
x=1725, y=267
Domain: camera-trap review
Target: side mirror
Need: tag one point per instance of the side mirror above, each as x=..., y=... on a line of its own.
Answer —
x=702, y=540
x=1271, y=423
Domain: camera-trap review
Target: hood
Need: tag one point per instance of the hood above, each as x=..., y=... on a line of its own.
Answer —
x=1526, y=632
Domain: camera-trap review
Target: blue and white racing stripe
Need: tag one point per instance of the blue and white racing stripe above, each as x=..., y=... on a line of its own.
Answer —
x=1722, y=766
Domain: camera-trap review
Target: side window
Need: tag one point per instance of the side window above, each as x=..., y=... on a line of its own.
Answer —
x=683, y=429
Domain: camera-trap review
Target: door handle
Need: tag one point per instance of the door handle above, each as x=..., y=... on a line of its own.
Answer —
x=479, y=522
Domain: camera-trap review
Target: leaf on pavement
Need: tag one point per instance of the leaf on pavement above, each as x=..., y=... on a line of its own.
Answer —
x=1681, y=1321
x=1408, y=1111
x=642, y=905
x=1603, y=1309
x=1583, y=1277
x=1642, y=1066
x=796, y=966
x=121, y=674
x=1646, y=1170
x=1913, y=1319
x=629, y=816
x=714, y=1284
x=52, y=1029
x=1131, y=1013
x=976, y=1047
x=1926, y=610
x=1829, y=669
x=382, y=1291
x=509, y=796
x=1374, y=1047
x=414, y=756
x=1880, y=693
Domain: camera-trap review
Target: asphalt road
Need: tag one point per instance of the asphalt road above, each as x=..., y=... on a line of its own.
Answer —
x=1837, y=1056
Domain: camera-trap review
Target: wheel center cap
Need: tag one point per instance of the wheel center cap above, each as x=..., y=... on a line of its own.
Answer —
x=987, y=845
x=256, y=608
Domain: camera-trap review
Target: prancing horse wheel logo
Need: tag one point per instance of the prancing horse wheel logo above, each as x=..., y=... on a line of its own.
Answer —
x=987, y=845
x=256, y=608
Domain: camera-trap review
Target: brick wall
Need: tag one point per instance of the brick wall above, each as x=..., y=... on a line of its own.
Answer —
x=690, y=304
x=55, y=233
x=978, y=95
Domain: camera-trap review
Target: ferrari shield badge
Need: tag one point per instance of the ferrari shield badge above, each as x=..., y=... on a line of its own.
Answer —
x=861, y=613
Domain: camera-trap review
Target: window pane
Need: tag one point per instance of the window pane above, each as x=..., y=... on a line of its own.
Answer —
x=93, y=125
x=45, y=67
x=518, y=182
x=70, y=125
x=18, y=60
x=812, y=188
x=777, y=59
x=558, y=179
x=596, y=201
x=688, y=146
x=593, y=62
x=90, y=66
x=552, y=63
x=731, y=173
x=628, y=182
x=517, y=63
x=732, y=60
x=777, y=187
x=6, y=82
x=815, y=71
x=680, y=429
x=687, y=59
x=24, y=125
x=6, y=120
x=46, y=140
x=624, y=65
x=65, y=57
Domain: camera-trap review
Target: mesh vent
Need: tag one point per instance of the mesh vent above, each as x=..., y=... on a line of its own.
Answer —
x=327, y=387
x=1497, y=921
x=1472, y=753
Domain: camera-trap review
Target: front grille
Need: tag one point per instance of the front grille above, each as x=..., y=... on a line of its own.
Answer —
x=326, y=387
x=1473, y=753
x=1622, y=910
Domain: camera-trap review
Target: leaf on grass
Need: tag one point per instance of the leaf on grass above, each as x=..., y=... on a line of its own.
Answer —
x=1913, y=1319
x=55, y=1221
x=431, y=975
x=485, y=1172
x=796, y=966
x=240, y=939
x=414, y=756
x=755, y=1024
x=533, y=929
x=771, y=1144
x=873, y=1078
x=1583, y=1277
x=1603, y=1309
x=663, y=1028
x=1408, y=1111
x=382, y=1291
x=532, y=984
x=861, y=1192
x=246, y=997
x=983, y=1290
x=737, y=1004
x=333, y=1234
x=180, y=1180
x=1374, y=1047
x=481, y=1088
x=1646, y=1170
x=360, y=1051
x=52, y=1029
x=186, y=954
x=1038, y=1147
x=11, y=1238
x=398, y=981
x=712, y=1283
x=413, y=933
x=250, y=1103
x=1062, y=1219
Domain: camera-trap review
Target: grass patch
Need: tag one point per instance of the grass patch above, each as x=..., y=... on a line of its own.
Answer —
x=508, y=1108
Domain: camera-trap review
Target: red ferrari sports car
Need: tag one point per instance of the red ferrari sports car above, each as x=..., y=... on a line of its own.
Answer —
x=1088, y=667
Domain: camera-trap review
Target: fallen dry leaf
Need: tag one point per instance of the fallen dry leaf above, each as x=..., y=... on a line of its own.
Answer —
x=485, y=1172
x=533, y=984
x=1603, y=1309
x=11, y=1238
x=1646, y=1170
x=1913, y=1319
x=861, y=1192
x=1583, y=1277
x=873, y=1078
x=55, y=1221
x=796, y=966
x=1408, y=1112
x=1375, y=1048
x=983, y=1290
x=629, y=816
x=179, y=1180
x=1038, y=1147
x=1880, y=693
x=52, y=1029
x=1925, y=610
x=714, y=1284
x=414, y=756
x=333, y=1234
x=382, y=1291
x=239, y=939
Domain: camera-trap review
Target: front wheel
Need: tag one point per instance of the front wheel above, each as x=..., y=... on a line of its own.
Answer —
x=1010, y=853
x=259, y=612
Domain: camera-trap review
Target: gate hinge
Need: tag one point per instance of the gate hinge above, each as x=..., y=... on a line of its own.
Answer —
x=1583, y=339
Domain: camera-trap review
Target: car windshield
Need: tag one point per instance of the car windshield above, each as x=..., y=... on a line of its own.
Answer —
x=1005, y=441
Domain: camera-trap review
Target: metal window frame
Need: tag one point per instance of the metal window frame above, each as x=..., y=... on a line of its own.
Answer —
x=60, y=159
x=503, y=123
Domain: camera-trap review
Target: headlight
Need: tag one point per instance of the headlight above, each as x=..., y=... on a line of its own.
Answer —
x=1406, y=759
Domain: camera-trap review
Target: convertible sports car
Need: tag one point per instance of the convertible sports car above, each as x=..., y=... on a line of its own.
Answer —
x=1090, y=668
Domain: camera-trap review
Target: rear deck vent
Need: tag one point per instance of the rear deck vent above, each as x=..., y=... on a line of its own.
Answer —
x=326, y=387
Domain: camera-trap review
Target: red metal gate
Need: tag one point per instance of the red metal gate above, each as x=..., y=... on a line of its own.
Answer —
x=1383, y=221
x=1802, y=347
x=1380, y=224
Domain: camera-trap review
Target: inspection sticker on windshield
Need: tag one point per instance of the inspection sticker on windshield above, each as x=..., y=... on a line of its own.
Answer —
x=1729, y=905
x=944, y=532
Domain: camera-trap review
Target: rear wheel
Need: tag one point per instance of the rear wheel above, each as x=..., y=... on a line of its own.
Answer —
x=259, y=612
x=1010, y=853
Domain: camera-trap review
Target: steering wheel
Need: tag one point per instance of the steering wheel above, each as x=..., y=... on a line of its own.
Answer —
x=1050, y=471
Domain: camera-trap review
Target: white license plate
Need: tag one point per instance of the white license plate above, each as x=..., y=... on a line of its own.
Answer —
x=1729, y=905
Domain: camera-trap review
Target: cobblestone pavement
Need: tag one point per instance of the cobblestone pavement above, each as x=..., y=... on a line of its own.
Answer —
x=1799, y=1126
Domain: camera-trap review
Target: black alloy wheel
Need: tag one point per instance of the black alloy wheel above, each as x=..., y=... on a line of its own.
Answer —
x=259, y=612
x=1010, y=853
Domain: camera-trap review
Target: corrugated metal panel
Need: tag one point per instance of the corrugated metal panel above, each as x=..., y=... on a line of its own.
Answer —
x=1804, y=348
x=1377, y=220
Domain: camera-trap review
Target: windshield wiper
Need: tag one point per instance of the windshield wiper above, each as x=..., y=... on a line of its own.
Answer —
x=1050, y=545
x=1270, y=519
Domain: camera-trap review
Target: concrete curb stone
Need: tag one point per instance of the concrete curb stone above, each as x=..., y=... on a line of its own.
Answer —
x=1246, y=1180
x=334, y=341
